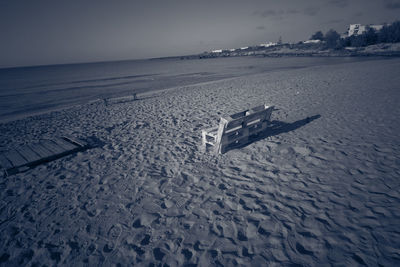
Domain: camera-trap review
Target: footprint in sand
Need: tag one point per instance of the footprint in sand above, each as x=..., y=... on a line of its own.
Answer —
x=222, y=186
x=213, y=253
x=90, y=249
x=114, y=232
x=187, y=253
x=251, y=231
x=91, y=208
x=4, y=257
x=167, y=204
x=132, y=245
x=137, y=223
x=242, y=235
x=146, y=240
x=303, y=151
x=158, y=254
x=145, y=220
x=109, y=247
x=301, y=249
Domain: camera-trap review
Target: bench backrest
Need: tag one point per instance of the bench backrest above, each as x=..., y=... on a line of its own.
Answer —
x=239, y=128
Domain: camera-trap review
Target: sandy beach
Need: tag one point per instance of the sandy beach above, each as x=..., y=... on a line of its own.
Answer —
x=323, y=188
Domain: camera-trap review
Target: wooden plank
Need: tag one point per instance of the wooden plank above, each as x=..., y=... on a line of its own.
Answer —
x=254, y=134
x=208, y=138
x=239, y=114
x=4, y=162
x=233, y=129
x=75, y=141
x=55, y=149
x=41, y=150
x=248, y=124
x=238, y=133
x=238, y=122
x=221, y=129
x=259, y=108
x=28, y=154
x=262, y=115
x=256, y=127
x=234, y=136
x=269, y=113
x=211, y=129
x=64, y=144
x=227, y=138
x=203, y=138
x=15, y=158
x=236, y=143
x=62, y=148
x=209, y=143
x=212, y=135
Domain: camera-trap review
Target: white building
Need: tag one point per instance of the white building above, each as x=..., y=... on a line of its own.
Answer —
x=312, y=41
x=357, y=29
x=268, y=44
x=217, y=51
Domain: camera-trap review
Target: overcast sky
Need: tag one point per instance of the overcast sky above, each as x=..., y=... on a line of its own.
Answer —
x=37, y=32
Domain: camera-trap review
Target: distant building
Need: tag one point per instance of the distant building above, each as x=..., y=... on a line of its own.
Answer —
x=217, y=51
x=312, y=41
x=244, y=48
x=357, y=29
x=268, y=44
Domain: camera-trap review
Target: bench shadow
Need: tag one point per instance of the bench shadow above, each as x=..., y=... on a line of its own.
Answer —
x=94, y=142
x=276, y=127
x=279, y=127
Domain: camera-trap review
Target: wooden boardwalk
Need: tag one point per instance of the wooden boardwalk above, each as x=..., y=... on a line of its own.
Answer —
x=28, y=156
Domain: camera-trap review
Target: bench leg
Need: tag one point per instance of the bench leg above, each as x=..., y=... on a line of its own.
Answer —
x=203, y=140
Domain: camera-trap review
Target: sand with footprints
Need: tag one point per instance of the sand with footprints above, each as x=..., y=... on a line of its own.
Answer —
x=322, y=188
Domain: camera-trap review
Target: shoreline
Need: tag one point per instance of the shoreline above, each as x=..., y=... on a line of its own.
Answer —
x=214, y=77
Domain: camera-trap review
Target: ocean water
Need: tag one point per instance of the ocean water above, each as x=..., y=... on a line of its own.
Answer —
x=27, y=91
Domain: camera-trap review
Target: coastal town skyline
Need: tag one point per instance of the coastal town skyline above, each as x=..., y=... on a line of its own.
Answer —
x=44, y=32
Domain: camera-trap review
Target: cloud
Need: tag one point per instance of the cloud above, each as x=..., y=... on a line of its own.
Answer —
x=260, y=28
x=334, y=21
x=311, y=11
x=392, y=4
x=292, y=11
x=266, y=13
x=277, y=14
x=339, y=3
x=270, y=13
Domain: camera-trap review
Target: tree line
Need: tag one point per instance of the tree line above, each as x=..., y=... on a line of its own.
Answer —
x=388, y=34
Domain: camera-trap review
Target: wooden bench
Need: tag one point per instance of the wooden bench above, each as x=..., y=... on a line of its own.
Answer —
x=237, y=130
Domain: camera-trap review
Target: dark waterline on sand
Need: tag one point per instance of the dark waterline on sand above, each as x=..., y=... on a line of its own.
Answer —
x=32, y=90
